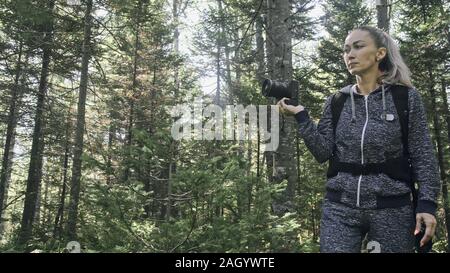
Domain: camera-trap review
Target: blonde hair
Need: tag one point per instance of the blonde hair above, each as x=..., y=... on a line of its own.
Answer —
x=395, y=69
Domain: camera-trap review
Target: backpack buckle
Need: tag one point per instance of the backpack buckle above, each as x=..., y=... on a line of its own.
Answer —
x=364, y=169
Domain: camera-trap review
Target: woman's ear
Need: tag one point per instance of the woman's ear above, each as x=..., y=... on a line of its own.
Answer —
x=381, y=53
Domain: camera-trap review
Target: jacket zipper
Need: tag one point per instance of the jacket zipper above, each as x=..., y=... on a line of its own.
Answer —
x=362, y=149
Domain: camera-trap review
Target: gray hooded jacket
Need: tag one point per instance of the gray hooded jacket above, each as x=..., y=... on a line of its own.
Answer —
x=363, y=136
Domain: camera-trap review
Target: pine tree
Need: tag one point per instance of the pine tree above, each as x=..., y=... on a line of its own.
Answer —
x=339, y=19
x=80, y=125
x=35, y=168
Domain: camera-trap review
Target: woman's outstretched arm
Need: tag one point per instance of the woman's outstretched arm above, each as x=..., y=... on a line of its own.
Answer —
x=319, y=138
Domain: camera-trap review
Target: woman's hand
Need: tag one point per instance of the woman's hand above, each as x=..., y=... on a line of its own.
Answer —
x=289, y=109
x=430, y=223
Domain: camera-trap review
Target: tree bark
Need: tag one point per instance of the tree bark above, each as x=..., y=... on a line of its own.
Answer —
x=8, y=181
x=236, y=85
x=109, y=167
x=133, y=89
x=260, y=74
x=382, y=15
x=8, y=150
x=224, y=41
x=284, y=160
x=34, y=171
x=446, y=107
x=57, y=230
x=249, y=174
x=218, y=66
x=269, y=43
x=46, y=211
x=79, y=133
x=173, y=144
x=440, y=152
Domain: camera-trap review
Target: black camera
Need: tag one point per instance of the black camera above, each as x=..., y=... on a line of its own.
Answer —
x=281, y=89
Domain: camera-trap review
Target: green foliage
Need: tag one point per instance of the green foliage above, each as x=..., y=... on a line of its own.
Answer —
x=142, y=191
x=339, y=19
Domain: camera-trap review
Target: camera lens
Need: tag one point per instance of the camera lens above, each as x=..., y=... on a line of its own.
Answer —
x=276, y=89
x=267, y=85
x=281, y=89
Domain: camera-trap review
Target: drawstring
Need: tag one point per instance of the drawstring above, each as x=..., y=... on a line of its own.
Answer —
x=353, y=105
x=384, y=101
x=353, y=102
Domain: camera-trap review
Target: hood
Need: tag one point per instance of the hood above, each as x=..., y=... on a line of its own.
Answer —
x=348, y=89
x=351, y=89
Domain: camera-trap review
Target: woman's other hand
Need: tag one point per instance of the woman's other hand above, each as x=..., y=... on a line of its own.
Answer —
x=430, y=222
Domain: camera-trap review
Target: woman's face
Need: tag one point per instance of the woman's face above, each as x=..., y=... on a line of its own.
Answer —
x=361, y=53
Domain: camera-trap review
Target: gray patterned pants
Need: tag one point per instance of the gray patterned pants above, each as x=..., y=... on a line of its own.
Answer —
x=343, y=228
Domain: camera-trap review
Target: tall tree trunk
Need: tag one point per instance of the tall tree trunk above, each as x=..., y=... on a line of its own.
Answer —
x=37, y=205
x=268, y=21
x=133, y=88
x=109, y=167
x=57, y=230
x=236, y=86
x=218, y=66
x=8, y=181
x=46, y=211
x=152, y=184
x=424, y=11
x=446, y=107
x=244, y=193
x=34, y=171
x=10, y=137
x=440, y=152
x=270, y=40
x=169, y=188
x=382, y=15
x=284, y=160
x=226, y=47
x=216, y=209
x=173, y=144
x=249, y=174
x=260, y=74
x=79, y=133
x=258, y=152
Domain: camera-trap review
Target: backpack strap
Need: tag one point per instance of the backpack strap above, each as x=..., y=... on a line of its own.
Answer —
x=337, y=104
x=400, y=97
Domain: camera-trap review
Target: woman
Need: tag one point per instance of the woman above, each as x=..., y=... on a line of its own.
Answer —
x=372, y=201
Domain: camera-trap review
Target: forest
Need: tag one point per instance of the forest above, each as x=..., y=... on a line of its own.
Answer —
x=88, y=93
